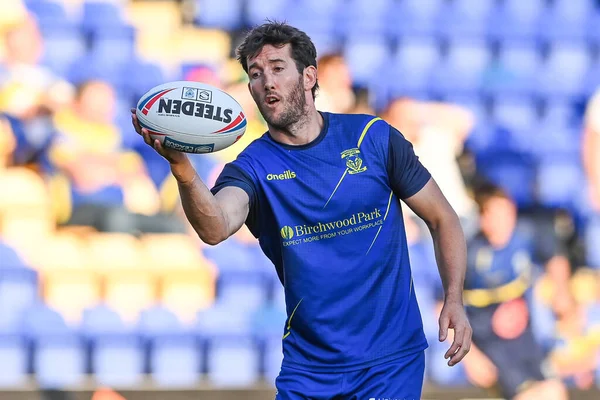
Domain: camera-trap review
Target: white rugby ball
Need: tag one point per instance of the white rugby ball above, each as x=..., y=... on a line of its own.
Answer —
x=191, y=117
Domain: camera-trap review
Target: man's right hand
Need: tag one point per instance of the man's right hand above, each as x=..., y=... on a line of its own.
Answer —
x=174, y=157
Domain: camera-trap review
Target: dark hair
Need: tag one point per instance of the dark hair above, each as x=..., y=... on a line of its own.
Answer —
x=484, y=191
x=279, y=34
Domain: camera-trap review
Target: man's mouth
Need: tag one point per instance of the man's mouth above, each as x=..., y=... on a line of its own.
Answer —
x=271, y=99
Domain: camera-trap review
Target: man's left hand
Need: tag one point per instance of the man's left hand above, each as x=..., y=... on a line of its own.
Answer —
x=453, y=316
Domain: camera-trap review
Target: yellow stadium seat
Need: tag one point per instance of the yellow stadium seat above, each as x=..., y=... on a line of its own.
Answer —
x=585, y=286
x=172, y=251
x=60, y=251
x=70, y=291
x=114, y=251
x=26, y=230
x=22, y=188
x=185, y=292
x=130, y=291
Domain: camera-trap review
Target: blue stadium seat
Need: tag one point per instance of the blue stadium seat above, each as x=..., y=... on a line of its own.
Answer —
x=233, y=362
x=115, y=43
x=367, y=18
x=229, y=256
x=176, y=361
x=100, y=15
x=14, y=356
x=515, y=112
x=514, y=69
x=591, y=238
x=559, y=181
x=9, y=258
x=463, y=68
x=91, y=67
x=63, y=43
x=516, y=19
x=312, y=16
x=563, y=73
x=117, y=353
x=223, y=14
x=53, y=340
x=244, y=291
x=18, y=288
x=542, y=322
x=566, y=20
x=465, y=18
x=412, y=66
x=48, y=12
x=174, y=353
x=365, y=56
x=419, y=18
x=272, y=357
x=222, y=320
x=512, y=170
x=256, y=10
x=438, y=370
x=269, y=320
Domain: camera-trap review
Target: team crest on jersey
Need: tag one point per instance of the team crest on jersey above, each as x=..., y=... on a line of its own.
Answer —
x=353, y=161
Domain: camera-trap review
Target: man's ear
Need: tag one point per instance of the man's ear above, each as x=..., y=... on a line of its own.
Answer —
x=310, y=77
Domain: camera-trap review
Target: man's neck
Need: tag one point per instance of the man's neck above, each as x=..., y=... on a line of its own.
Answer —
x=302, y=132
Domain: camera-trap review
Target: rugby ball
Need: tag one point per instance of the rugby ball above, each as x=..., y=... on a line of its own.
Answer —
x=191, y=117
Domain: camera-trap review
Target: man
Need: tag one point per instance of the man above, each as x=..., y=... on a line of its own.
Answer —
x=499, y=275
x=321, y=193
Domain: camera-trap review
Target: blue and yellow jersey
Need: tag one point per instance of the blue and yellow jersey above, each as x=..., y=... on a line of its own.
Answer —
x=496, y=276
x=328, y=215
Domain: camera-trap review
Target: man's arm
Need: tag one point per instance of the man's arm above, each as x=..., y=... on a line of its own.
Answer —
x=213, y=217
x=451, y=255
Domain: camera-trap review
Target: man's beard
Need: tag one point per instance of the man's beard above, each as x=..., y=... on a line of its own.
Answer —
x=294, y=108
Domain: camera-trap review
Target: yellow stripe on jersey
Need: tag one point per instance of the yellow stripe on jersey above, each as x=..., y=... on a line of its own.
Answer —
x=360, y=139
x=289, y=326
x=384, y=217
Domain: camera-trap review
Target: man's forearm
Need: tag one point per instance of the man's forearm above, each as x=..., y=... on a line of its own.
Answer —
x=199, y=205
x=451, y=255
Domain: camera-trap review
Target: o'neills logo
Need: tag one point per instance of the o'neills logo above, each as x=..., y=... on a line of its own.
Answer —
x=280, y=177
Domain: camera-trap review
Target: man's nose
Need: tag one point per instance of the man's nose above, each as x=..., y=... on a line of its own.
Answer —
x=269, y=81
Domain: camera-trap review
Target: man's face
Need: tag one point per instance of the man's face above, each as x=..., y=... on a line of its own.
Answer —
x=277, y=87
x=499, y=217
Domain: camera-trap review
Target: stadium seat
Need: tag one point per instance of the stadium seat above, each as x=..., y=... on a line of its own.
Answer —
x=558, y=182
x=222, y=320
x=53, y=340
x=223, y=14
x=462, y=69
x=273, y=356
x=585, y=286
x=365, y=56
x=172, y=251
x=18, y=291
x=233, y=362
x=71, y=291
x=9, y=258
x=130, y=291
x=591, y=238
x=257, y=9
x=186, y=292
x=22, y=189
x=515, y=68
x=114, y=251
x=98, y=14
x=562, y=74
x=14, y=356
x=62, y=44
x=566, y=20
x=412, y=65
x=367, y=19
x=246, y=291
x=419, y=18
x=48, y=12
x=515, y=113
x=174, y=353
x=516, y=19
x=60, y=251
x=117, y=353
x=438, y=370
x=229, y=256
x=465, y=18
x=116, y=43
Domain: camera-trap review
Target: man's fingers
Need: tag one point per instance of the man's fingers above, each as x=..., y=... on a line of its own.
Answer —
x=147, y=137
x=136, y=124
x=464, y=348
x=444, y=325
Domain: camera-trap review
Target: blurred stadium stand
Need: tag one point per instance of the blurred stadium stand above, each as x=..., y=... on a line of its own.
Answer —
x=98, y=268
